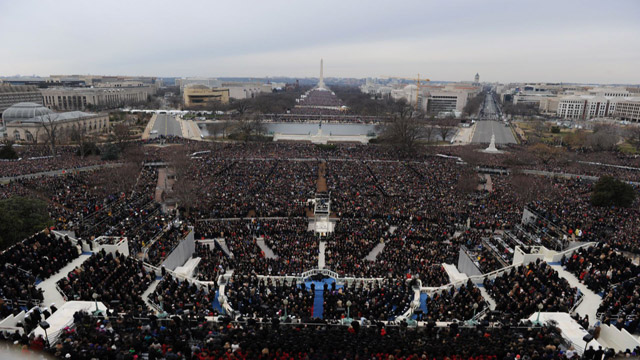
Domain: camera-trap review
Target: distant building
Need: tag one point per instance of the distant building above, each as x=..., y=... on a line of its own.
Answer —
x=438, y=102
x=628, y=110
x=99, y=97
x=476, y=79
x=24, y=122
x=13, y=94
x=241, y=90
x=586, y=107
x=208, y=82
x=200, y=95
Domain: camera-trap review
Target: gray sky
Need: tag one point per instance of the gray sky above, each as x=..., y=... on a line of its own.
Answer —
x=585, y=41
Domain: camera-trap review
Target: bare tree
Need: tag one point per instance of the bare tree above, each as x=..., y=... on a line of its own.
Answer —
x=467, y=182
x=50, y=126
x=120, y=134
x=604, y=138
x=446, y=127
x=185, y=188
x=545, y=153
x=634, y=137
x=404, y=131
x=530, y=188
x=79, y=135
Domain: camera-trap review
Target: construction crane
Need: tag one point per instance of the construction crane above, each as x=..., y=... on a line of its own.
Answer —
x=417, y=80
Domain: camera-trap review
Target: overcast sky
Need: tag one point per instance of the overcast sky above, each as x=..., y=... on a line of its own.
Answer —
x=584, y=41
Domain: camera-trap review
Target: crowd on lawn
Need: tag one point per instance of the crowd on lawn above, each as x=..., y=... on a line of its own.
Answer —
x=421, y=211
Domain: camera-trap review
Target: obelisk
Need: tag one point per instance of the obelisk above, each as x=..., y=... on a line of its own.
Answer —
x=321, y=81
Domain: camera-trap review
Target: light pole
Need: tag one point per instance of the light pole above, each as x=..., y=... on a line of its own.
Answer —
x=285, y=302
x=348, y=318
x=163, y=313
x=473, y=321
x=95, y=299
x=537, y=322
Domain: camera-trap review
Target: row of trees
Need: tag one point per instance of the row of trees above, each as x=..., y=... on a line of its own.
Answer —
x=408, y=129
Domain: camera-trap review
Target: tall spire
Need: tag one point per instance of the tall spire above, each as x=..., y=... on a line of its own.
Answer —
x=321, y=81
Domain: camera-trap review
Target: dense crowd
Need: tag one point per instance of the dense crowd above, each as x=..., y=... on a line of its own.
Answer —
x=370, y=300
x=521, y=290
x=266, y=298
x=117, y=280
x=418, y=213
x=184, y=338
x=459, y=304
x=621, y=306
x=179, y=297
x=600, y=266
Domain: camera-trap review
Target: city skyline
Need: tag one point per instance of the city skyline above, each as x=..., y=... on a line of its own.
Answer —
x=569, y=41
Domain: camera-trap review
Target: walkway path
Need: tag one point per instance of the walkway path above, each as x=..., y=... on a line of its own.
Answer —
x=150, y=124
x=268, y=253
x=488, y=298
x=591, y=301
x=321, y=258
x=223, y=246
x=51, y=294
x=321, y=184
x=145, y=295
x=374, y=252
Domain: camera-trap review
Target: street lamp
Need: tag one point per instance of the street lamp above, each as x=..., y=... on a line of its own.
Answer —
x=537, y=322
x=163, y=313
x=348, y=318
x=285, y=302
x=221, y=301
x=95, y=299
x=473, y=321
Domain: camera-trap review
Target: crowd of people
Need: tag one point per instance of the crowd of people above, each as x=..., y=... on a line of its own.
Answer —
x=520, y=291
x=419, y=213
x=373, y=301
x=266, y=298
x=184, y=338
x=176, y=296
x=459, y=304
x=621, y=306
x=600, y=266
x=116, y=279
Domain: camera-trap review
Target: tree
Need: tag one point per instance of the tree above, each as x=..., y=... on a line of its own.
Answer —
x=473, y=105
x=21, y=218
x=7, y=152
x=530, y=188
x=185, y=188
x=247, y=126
x=50, y=127
x=609, y=191
x=446, y=127
x=604, y=138
x=545, y=153
x=634, y=137
x=467, y=182
x=403, y=132
x=120, y=135
x=79, y=136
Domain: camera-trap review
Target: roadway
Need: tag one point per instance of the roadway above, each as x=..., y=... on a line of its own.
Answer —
x=165, y=125
x=486, y=128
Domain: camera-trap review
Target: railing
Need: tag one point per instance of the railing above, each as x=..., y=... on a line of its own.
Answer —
x=64, y=296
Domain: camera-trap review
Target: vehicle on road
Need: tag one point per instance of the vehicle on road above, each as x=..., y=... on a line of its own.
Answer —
x=153, y=132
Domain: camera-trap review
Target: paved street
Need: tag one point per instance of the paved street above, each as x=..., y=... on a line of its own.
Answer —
x=485, y=128
x=166, y=125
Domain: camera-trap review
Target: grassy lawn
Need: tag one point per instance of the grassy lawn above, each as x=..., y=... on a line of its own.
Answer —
x=628, y=148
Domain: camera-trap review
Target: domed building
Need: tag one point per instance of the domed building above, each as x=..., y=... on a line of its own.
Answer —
x=23, y=111
x=31, y=122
